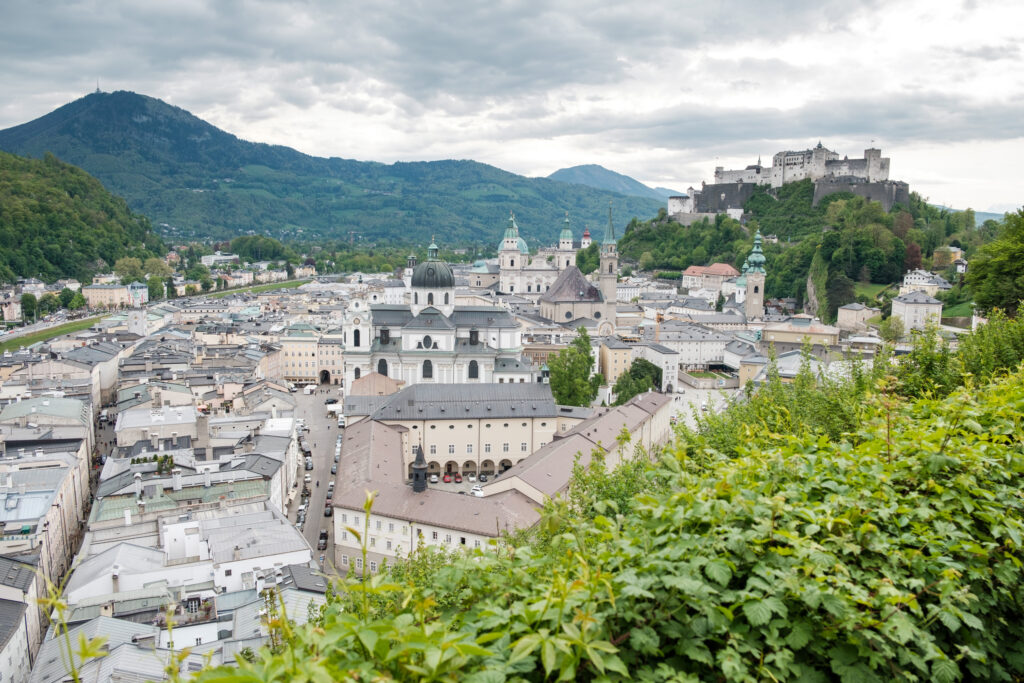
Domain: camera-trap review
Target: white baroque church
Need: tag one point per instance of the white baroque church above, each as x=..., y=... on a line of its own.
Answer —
x=430, y=339
x=531, y=275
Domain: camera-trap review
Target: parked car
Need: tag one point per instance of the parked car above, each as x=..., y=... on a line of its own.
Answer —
x=321, y=544
x=458, y=478
x=337, y=457
x=334, y=469
x=477, y=491
x=471, y=476
x=330, y=401
x=447, y=478
x=483, y=477
x=328, y=511
x=433, y=478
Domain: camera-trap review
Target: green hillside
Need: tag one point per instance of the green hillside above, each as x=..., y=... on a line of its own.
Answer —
x=203, y=182
x=58, y=221
x=847, y=243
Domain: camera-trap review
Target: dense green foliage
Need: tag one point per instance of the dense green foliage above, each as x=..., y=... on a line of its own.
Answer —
x=663, y=243
x=588, y=260
x=996, y=274
x=57, y=221
x=890, y=553
x=642, y=376
x=205, y=183
x=572, y=383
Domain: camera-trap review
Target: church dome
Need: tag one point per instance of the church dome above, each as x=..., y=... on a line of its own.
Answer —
x=433, y=273
x=756, y=259
x=512, y=233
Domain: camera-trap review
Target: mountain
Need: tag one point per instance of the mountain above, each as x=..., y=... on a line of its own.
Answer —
x=196, y=180
x=600, y=178
x=58, y=221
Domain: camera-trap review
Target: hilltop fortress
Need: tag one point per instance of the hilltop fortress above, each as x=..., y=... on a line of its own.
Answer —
x=867, y=177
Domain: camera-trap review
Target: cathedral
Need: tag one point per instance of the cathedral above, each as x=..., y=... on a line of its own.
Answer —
x=528, y=275
x=430, y=339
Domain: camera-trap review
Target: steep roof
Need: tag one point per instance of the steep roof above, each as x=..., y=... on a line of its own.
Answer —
x=571, y=286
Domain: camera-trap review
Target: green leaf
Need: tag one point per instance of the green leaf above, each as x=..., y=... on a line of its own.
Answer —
x=757, y=612
x=945, y=671
x=718, y=571
x=523, y=647
x=799, y=635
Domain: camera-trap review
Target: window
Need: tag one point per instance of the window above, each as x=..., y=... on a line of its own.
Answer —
x=359, y=563
x=428, y=370
x=355, y=338
x=476, y=543
x=522, y=447
x=451, y=426
x=487, y=448
x=355, y=520
x=446, y=297
x=382, y=367
x=379, y=525
x=415, y=297
x=434, y=535
x=373, y=541
x=391, y=527
x=504, y=447
x=373, y=567
x=469, y=449
x=451, y=449
x=344, y=535
x=344, y=519
x=227, y=572
x=462, y=540
x=448, y=539
x=474, y=370
x=389, y=545
x=430, y=299
x=433, y=449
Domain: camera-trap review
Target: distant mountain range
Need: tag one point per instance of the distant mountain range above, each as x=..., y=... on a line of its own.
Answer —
x=601, y=178
x=195, y=180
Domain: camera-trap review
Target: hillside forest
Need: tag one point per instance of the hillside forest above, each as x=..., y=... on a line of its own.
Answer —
x=58, y=221
x=844, y=244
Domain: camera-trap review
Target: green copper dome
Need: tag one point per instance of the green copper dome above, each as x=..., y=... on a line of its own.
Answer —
x=566, y=232
x=433, y=273
x=512, y=233
x=756, y=260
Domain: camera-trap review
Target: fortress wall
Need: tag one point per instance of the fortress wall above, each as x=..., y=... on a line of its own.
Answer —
x=889, y=193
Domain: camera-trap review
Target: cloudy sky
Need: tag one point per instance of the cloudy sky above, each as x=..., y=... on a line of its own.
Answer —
x=660, y=90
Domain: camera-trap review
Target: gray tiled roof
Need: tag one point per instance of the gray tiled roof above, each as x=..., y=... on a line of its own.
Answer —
x=572, y=286
x=468, y=401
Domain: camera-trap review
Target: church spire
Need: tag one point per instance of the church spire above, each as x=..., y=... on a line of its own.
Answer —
x=609, y=232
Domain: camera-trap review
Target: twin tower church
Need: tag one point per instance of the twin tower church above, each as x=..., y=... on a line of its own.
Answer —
x=430, y=339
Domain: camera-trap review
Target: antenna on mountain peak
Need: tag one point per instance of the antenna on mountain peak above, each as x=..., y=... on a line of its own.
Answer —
x=98, y=91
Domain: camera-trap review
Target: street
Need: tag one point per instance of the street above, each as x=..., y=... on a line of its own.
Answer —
x=322, y=437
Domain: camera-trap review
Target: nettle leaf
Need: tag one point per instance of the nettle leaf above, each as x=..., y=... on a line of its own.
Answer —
x=644, y=640
x=718, y=571
x=945, y=671
x=799, y=635
x=757, y=612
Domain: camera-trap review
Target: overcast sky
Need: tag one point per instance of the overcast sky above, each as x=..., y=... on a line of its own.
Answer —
x=659, y=90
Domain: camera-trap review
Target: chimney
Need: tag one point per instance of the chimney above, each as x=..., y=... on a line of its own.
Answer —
x=114, y=571
x=176, y=478
x=207, y=477
x=127, y=517
x=138, y=484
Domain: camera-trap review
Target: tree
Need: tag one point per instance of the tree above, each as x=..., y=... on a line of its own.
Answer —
x=28, y=306
x=197, y=271
x=571, y=383
x=996, y=277
x=171, y=290
x=77, y=301
x=912, y=261
x=720, y=302
x=156, y=266
x=65, y=296
x=627, y=386
x=642, y=368
x=190, y=290
x=289, y=269
x=129, y=269
x=588, y=260
x=206, y=283
x=891, y=329
x=48, y=303
x=156, y=287
x=646, y=260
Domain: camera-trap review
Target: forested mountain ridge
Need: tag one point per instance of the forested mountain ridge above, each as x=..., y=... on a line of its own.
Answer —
x=58, y=221
x=204, y=182
x=601, y=178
